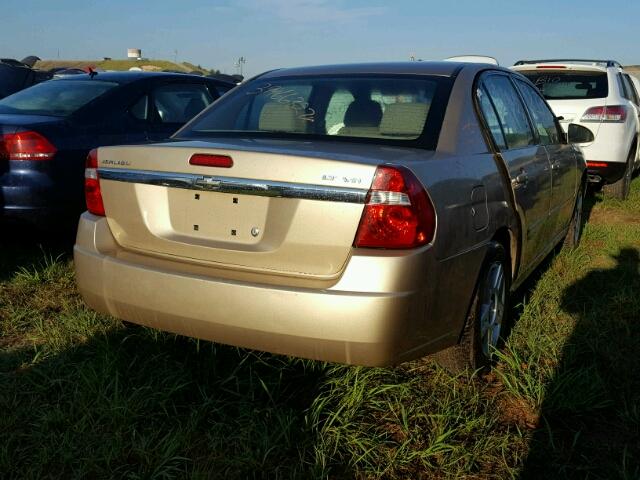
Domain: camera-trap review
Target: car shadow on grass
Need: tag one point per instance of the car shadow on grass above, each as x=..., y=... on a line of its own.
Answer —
x=590, y=420
x=135, y=402
x=22, y=247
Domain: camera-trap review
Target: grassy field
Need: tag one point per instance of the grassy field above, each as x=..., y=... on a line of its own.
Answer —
x=119, y=64
x=83, y=395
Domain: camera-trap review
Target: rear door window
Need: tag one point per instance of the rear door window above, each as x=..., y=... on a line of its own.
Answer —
x=180, y=102
x=543, y=118
x=570, y=84
x=510, y=110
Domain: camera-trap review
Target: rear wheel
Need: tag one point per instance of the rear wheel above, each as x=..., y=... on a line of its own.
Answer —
x=486, y=323
x=620, y=189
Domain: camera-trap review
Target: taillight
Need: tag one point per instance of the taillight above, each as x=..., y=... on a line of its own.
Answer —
x=27, y=145
x=597, y=165
x=92, y=193
x=612, y=114
x=398, y=213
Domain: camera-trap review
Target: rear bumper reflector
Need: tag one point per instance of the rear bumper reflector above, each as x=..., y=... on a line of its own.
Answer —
x=239, y=186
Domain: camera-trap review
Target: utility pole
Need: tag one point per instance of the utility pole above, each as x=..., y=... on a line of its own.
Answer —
x=241, y=61
x=175, y=56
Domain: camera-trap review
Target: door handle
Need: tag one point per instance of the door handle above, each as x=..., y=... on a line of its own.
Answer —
x=520, y=180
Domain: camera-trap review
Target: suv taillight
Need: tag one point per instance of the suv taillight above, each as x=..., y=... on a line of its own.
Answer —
x=398, y=213
x=27, y=145
x=611, y=114
x=92, y=193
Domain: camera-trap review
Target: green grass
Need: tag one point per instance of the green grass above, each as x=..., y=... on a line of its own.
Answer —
x=119, y=64
x=83, y=395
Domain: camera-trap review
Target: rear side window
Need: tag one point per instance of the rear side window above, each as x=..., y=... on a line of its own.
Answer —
x=543, y=118
x=140, y=109
x=179, y=103
x=490, y=116
x=55, y=97
x=568, y=85
x=397, y=109
x=221, y=89
x=510, y=110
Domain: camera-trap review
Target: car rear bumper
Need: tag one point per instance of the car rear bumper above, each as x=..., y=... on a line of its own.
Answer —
x=607, y=172
x=341, y=323
x=32, y=197
x=610, y=148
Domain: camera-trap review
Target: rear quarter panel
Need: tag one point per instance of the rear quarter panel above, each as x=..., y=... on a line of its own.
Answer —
x=472, y=202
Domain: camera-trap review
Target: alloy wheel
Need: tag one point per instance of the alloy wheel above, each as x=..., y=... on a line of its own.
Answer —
x=492, y=307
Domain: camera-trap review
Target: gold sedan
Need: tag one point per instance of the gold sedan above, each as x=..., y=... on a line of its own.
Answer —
x=367, y=214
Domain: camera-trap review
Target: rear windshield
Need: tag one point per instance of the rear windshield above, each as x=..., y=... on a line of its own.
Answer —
x=398, y=109
x=568, y=85
x=56, y=97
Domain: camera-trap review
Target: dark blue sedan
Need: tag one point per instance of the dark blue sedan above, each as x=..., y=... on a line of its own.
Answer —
x=46, y=132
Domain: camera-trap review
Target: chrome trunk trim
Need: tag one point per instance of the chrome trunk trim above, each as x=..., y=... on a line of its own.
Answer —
x=240, y=186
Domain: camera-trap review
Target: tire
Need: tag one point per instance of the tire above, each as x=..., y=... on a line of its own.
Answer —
x=574, y=234
x=487, y=323
x=620, y=189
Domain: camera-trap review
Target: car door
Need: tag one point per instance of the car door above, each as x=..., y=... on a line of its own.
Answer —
x=564, y=180
x=525, y=159
x=174, y=103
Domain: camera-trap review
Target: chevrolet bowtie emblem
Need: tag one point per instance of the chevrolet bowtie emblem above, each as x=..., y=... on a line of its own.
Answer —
x=208, y=183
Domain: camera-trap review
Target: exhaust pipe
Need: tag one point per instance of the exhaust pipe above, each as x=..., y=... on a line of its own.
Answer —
x=594, y=178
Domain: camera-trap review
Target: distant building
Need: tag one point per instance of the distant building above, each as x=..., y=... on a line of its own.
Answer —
x=135, y=53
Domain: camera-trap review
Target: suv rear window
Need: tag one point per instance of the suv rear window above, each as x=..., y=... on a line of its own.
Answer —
x=376, y=108
x=569, y=85
x=56, y=97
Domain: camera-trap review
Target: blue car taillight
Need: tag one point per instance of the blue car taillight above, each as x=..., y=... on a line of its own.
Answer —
x=26, y=145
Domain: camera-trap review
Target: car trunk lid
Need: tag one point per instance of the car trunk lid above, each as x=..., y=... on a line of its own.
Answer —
x=283, y=207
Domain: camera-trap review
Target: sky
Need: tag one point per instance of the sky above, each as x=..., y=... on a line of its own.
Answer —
x=282, y=33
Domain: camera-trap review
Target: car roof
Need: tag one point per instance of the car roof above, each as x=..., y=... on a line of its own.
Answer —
x=123, y=78
x=447, y=69
x=570, y=61
x=559, y=66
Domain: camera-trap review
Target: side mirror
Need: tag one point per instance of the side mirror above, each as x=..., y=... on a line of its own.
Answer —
x=579, y=134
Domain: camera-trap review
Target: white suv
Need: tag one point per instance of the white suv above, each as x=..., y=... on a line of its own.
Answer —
x=601, y=97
